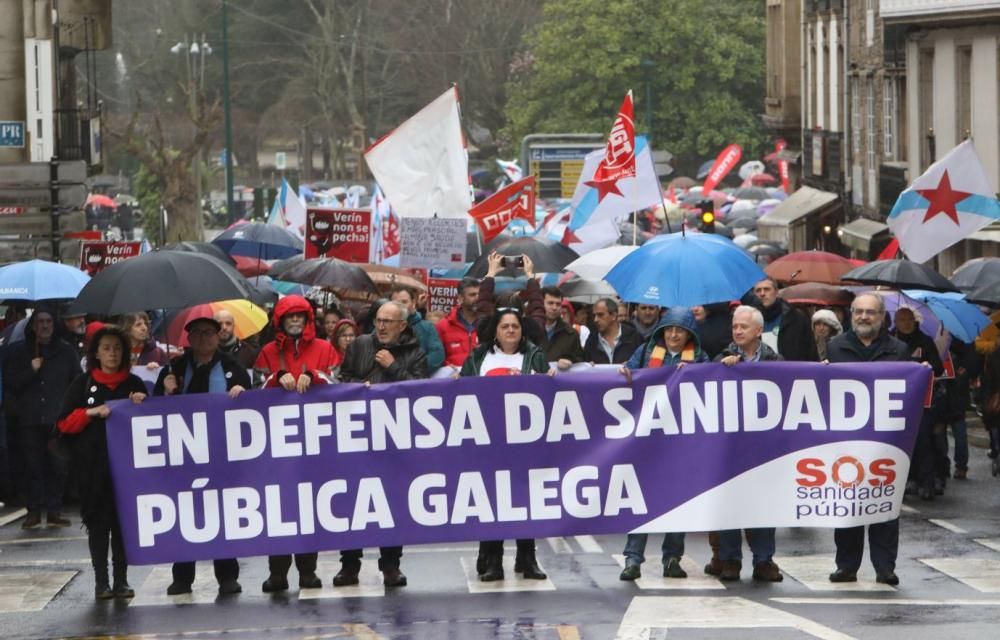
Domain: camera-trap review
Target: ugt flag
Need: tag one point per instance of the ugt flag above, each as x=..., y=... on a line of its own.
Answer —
x=950, y=201
x=595, y=221
x=514, y=201
x=619, y=156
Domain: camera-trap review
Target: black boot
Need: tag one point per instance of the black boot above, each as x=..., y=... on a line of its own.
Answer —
x=102, y=587
x=493, y=569
x=526, y=564
x=121, y=588
x=481, y=561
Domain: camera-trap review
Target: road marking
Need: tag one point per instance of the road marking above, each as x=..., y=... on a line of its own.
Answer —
x=881, y=602
x=31, y=591
x=153, y=591
x=944, y=524
x=559, y=545
x=653, y=576
x=647, y=613
x=568, y=632
x=511, y=581
x=369, y=582
x=45, y=563
x=589, y=544
x=982, y=574
x=905, y=508
x=11, y=517
x=814, y=572
x=991, y=543
x=34, y=540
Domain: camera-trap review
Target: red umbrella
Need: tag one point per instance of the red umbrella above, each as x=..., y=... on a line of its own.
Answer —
x=99, y=200
x=250, y=267
x=823, y=295
x=809, y=266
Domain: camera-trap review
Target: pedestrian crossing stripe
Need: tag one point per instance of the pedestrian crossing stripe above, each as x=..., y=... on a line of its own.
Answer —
x=982, y=574
x=652, y=576
x=814, y=571
x=31, y=591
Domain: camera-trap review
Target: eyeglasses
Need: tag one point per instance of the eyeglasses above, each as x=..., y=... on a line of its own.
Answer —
x=865, y=312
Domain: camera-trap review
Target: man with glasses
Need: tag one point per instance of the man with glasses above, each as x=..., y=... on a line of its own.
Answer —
x=613, y=342
x=391, y=354
x=203, y=369
x=867, y=341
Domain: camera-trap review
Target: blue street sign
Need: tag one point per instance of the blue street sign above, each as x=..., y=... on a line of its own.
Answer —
x=11, y=133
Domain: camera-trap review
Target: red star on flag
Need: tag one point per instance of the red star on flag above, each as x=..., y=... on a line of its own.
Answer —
x=604, y=187
x=569, y=237
x=943, y=199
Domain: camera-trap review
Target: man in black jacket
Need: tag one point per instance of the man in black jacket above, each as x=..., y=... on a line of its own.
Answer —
x=391, y=354
x=204, y=369
x=867, y=341
x=37, y=373
x=922, y=349
x=786, y=329
x=612, y=342
x=561, y=341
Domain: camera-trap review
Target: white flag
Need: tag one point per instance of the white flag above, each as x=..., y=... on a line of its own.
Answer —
x=422, y=166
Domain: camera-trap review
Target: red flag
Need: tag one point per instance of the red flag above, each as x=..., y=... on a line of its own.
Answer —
x=514, y=201
x=390, y=235
x=728, y=159
x=619, y=156
x=779, y=146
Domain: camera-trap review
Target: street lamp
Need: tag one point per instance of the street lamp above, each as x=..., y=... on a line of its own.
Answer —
x=195, y=66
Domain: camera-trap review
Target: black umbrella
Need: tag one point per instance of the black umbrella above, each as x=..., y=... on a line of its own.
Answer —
x=750, y=193
x=976, y=273
x=343, y=278
x=161, y=280
x=899, y=274
x=742, y=222
x=475, y=247
x=987, y=295
x=259, y=240
x=205, y=248
x=548, y=256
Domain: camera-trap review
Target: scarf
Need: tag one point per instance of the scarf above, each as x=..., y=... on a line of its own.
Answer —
x=110, y=380
x=216, y=377
x=660, y=354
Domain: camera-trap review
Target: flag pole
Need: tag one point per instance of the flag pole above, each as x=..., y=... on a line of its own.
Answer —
x=663, y=203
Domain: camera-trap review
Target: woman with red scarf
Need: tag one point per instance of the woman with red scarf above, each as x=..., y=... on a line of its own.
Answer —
x=82, y=423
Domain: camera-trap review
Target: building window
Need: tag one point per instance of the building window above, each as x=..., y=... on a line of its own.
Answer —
x=856, y=119
x=925, y=94
x=963, y=92
x=870, y=6
x=810, y=117
x=889, y=118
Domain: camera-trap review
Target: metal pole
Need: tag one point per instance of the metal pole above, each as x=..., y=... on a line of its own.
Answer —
x=230, y=205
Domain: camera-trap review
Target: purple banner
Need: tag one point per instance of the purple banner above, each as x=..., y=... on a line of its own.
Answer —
x=699, y=448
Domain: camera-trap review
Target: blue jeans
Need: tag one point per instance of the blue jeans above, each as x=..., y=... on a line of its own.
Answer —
x=959, y=431
x=635, y=547
x=761, y=543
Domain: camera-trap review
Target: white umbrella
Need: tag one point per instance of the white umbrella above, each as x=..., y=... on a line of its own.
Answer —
x=745, y=240
x=750, y=168
x=596, y=264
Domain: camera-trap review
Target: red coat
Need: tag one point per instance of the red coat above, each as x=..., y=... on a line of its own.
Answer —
x=458, y=340
x=308, y=354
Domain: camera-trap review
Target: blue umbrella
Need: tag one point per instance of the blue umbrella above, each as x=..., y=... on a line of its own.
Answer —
x=684, y=270
x=259, y=240
x=40, y=280
x=962, y=319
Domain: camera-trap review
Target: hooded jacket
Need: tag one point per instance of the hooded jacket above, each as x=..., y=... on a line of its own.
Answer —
x=458, y=339
x=428, y=338
x=675, y=317
x=409, y=360
x=305, y=355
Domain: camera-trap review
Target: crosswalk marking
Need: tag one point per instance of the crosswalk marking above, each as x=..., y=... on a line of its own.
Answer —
x=944, y=524
x=646, y=613
x=814, y=572
x=652, y=576
x=589, y=544
x=153, y=591
x=990, y=543
x=511, y=581
x=560, y=545
x=982, y=574
x=12, y=516
x=881, y=602
x=369, y=582
x=30, y=591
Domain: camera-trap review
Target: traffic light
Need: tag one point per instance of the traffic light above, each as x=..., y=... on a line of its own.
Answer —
x=707, y=208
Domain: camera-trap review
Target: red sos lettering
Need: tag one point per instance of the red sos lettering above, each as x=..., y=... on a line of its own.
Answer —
x=846, y=471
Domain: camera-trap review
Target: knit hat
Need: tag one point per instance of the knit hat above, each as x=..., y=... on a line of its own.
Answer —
x=93, y=328
x=828, y=318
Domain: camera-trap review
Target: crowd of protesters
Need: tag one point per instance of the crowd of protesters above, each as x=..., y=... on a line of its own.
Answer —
x=58, y=380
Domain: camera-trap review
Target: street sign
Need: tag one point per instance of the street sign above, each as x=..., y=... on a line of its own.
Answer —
x=557, y=166
x=11, y=133
x=38, y=174
x=41, y=224
x=72, y=196
x=280, y=160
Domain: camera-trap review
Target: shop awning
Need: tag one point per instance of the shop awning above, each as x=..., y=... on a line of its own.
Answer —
x=797, y=206
x=858, y=234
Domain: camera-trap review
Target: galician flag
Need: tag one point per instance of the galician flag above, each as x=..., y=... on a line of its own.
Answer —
x=595, y=221
x=950, y=201
x=288, y=211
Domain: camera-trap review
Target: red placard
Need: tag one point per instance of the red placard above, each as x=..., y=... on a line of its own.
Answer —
x=338, y=233
x=442, y=293
x=11, y=211
x=96, y=256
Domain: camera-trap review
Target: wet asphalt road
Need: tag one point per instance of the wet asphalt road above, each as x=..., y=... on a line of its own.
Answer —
x=949, y=567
